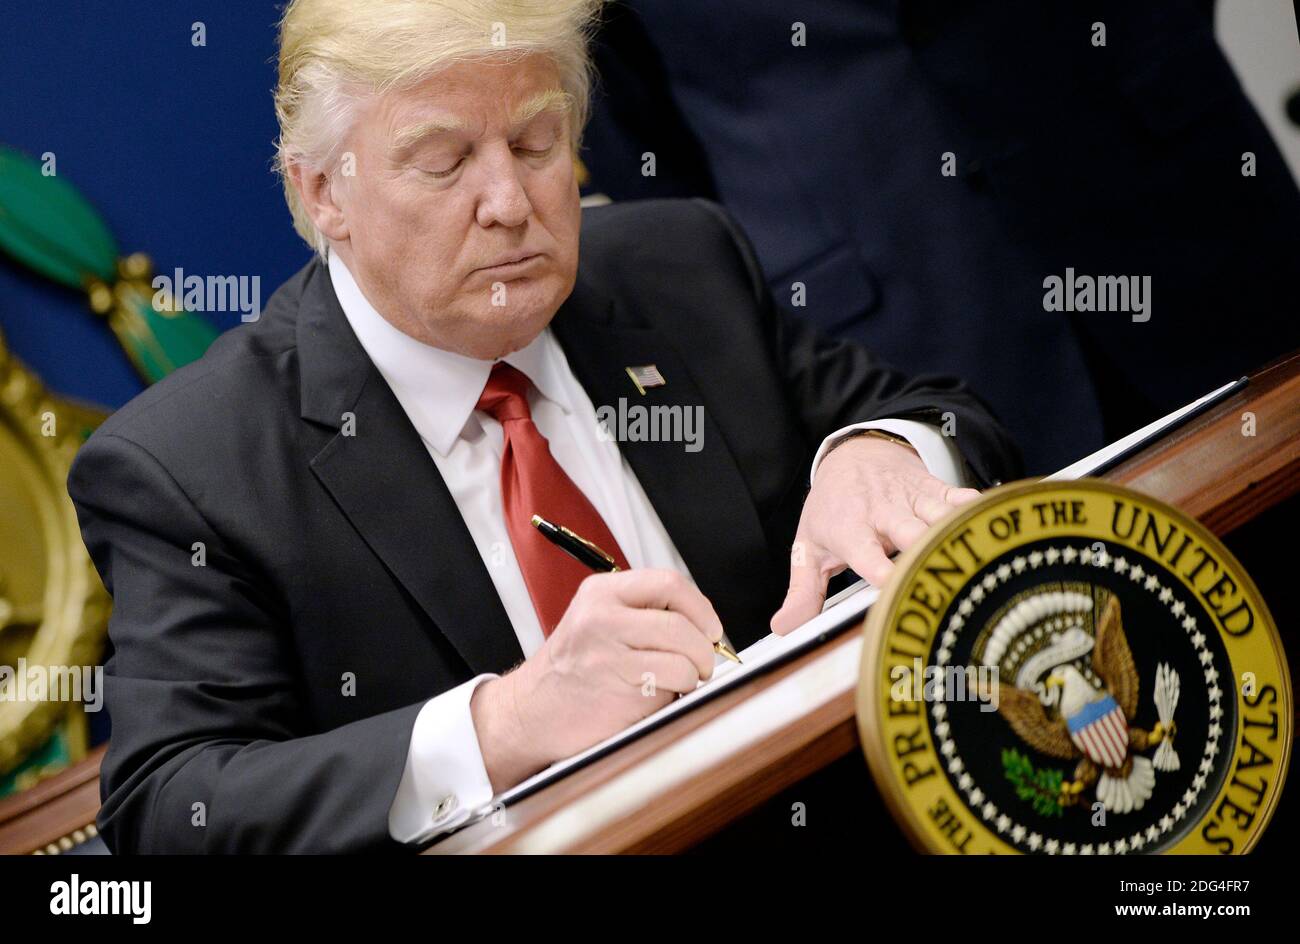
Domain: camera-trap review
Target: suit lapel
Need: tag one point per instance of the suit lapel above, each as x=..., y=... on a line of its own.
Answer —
x=700, y=497
x=388, y=486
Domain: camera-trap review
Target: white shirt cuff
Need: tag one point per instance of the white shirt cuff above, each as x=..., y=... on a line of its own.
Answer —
x=445, y=782
x=939, y=453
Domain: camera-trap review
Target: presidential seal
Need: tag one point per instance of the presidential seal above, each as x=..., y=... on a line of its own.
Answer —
x=1074, y=668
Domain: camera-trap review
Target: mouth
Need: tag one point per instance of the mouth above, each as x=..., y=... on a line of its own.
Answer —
x=511, y=264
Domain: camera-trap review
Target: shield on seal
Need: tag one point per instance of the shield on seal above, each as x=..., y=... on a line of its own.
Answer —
x=1100, y=730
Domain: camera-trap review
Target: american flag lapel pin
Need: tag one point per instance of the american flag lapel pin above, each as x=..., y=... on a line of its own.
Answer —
x=645, y=376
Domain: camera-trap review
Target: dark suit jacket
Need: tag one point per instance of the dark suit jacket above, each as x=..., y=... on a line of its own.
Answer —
x=1116, y=160
x=334, y=557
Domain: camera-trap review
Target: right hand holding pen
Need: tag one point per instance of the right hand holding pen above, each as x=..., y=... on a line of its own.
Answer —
x=629, y=643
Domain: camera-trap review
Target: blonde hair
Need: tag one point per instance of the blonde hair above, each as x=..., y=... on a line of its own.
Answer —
x=336, y=53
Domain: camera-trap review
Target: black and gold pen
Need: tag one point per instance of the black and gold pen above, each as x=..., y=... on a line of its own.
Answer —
x=582, y=550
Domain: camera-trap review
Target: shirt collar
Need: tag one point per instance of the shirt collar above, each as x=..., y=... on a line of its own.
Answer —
x=439, y=388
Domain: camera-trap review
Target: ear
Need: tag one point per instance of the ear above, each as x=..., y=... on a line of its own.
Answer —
x=317, y=191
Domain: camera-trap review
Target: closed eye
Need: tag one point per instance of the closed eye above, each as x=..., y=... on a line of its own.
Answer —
x=533, y=152
x=444, y=173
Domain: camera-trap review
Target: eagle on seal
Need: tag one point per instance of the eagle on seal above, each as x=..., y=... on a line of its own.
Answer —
x=1096, y=725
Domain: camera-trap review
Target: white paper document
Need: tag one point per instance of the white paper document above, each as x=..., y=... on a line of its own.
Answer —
x=1102, y=457
x=849, y=605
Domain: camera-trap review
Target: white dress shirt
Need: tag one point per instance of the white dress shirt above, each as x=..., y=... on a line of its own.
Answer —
x=445, y=782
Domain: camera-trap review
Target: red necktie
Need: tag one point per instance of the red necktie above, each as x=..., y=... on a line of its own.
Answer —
x=532, y=482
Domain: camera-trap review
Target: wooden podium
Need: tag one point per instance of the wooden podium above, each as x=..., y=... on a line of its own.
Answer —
x=691, y=779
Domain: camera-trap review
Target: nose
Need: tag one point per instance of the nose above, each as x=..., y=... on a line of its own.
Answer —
x=503, y=199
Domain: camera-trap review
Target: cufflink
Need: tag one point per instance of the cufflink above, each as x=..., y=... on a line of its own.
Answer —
x=447, y=804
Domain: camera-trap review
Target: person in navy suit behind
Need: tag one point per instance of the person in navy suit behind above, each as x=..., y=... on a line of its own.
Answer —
x=1106, y=137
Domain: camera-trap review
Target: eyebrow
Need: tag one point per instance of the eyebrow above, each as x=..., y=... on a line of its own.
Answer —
x=549, y=100
x=409, y=135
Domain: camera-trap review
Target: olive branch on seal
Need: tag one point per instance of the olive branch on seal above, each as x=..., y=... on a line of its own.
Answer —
x=1042, y=788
